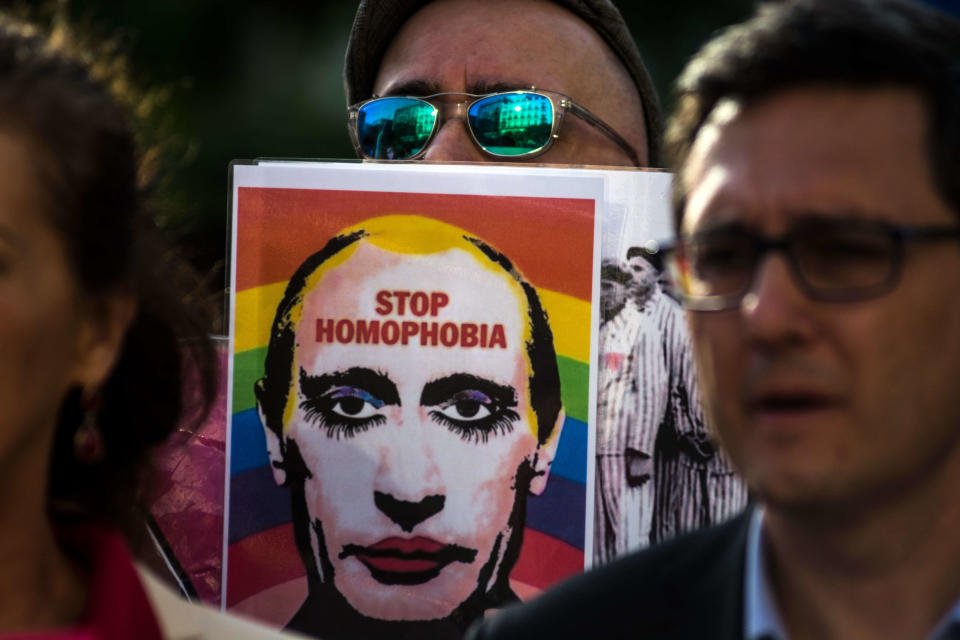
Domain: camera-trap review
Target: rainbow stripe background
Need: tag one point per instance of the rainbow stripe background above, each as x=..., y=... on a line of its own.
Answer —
x=550, y=240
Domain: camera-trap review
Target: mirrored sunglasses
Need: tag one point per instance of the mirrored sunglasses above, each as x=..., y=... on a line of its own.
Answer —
x=506, y=125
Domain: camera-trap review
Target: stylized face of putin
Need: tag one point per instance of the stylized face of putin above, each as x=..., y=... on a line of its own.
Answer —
x=411, y=389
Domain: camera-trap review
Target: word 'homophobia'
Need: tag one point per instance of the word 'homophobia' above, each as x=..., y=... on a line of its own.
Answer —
x=432, y=334
x=428, y=334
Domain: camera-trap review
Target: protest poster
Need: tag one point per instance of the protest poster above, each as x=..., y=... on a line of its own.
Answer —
x=411, y=394
x=653, y=471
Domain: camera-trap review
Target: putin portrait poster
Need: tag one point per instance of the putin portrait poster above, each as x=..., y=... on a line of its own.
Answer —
x=411, y=393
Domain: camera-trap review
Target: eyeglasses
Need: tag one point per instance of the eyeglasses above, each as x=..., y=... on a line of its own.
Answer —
x=505, y=124
x=832, y=261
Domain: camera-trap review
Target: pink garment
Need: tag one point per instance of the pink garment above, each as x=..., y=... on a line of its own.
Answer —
x=186, y=498
x=117, y=606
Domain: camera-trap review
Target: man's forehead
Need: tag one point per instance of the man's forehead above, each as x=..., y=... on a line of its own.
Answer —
x=807, y=149
x=414, y=315
x=457, y=272
x=477, y=47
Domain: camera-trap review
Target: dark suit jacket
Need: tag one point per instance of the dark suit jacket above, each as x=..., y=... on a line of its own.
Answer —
x=689, y=587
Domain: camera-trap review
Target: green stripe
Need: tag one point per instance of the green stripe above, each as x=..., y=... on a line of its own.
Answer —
x=574, y=387
x=247, y=369
x=574, y=379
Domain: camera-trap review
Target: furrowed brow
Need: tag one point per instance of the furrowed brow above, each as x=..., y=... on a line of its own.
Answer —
x=442, y=389
x=483, y=86
x=722, y=227
x=373, y=382
x=426, y=88
x=412, y=88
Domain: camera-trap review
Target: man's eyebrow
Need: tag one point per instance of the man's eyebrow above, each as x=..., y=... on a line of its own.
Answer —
x=375, y=383
x=723, y=226
x=426, y=88
x=412, y=88
x=484, y=86
x=442, y=389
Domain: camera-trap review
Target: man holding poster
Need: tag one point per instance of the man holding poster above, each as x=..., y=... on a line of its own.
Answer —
x=410, y=402
x=563, y=84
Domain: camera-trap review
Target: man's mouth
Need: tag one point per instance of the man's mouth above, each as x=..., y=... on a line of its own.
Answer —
x=790, y=407
x=790, y=402
x=408, y=561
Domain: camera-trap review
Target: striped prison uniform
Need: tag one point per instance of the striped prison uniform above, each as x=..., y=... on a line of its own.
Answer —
x=658, y=472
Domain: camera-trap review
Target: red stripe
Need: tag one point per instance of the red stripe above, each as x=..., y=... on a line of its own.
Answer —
x=550, y=240
x=262, y=561
x=270, y=558
x=544, y=560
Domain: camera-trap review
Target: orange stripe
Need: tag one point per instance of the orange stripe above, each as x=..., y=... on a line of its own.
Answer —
x=550, y=240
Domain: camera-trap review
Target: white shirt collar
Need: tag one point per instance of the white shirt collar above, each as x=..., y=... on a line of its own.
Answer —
x=761, y=618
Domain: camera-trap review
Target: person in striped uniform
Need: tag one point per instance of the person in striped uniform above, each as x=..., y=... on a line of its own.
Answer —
x=658, y=470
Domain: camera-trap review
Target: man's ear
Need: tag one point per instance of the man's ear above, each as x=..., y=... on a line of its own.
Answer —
x=274, y=448
x=544, y=455
x=100, y=335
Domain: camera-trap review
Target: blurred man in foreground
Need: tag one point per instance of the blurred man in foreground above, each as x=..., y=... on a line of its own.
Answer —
x=818, y=197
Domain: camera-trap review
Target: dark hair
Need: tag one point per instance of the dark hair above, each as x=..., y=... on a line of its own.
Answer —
x=847, y=43
x=612, y=271
x=273, y=389
x=89, y=165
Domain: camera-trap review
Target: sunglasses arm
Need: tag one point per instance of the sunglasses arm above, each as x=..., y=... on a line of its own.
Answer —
x=607, y=130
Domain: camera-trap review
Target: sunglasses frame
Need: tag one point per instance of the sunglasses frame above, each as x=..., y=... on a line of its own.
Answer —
x=559, y=106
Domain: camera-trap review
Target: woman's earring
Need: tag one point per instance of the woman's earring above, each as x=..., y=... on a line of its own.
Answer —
x=88, y=440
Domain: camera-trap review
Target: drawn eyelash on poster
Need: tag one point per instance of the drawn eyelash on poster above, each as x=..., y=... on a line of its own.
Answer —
x=479, y=430
x=330, y=411
x=345, y=402
x=459, y=398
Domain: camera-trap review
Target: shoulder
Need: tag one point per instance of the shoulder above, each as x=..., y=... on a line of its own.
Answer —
x=182, y=620
x=688, y=587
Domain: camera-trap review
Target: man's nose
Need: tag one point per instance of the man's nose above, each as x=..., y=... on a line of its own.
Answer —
x=409, y=486
x=775, y=309
x=408, y=514
x=453, y=142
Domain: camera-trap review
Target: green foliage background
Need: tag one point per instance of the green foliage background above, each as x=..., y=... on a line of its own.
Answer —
x=242, y=79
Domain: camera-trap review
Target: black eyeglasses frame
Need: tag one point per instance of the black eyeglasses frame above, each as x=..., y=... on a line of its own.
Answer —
x=671, y=252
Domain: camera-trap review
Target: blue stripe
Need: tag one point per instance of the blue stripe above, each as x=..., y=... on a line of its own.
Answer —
x=559, y=511
x=571, y=459
x=249, y=448
x=258, y=504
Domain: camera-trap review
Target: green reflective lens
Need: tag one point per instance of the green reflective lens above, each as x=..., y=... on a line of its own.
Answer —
x=395, y=128
x=512, y=124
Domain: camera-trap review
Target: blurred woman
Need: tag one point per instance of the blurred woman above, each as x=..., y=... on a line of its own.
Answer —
x=94, y=337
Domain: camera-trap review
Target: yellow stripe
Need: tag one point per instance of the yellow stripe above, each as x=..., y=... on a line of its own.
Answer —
x=569, y=319
x=255, y=310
